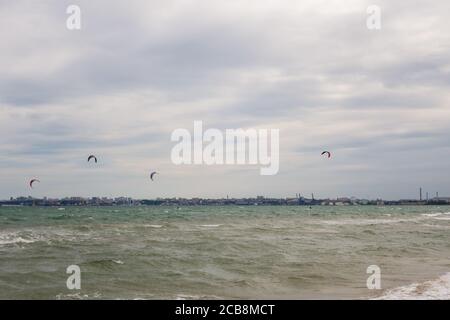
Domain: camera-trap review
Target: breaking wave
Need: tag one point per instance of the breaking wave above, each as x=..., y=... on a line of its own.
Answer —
x=438, y=289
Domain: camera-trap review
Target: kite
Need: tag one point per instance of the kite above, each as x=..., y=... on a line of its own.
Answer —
x=327, y=153
x=92, y=157
x=33, y=181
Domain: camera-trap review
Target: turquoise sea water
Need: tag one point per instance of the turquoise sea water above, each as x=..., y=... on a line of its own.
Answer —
x=224, y=252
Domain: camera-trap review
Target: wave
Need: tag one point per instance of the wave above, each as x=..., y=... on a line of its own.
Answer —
x=431, y=215
x=16, y=237
x=183, y=296
x=14, y=240
x=436, y=226
x=363, y=222
x=48, y=235
x=438, y=289
x=104, y=264
x=78, y=296
x=422, y=217
x=434, y=215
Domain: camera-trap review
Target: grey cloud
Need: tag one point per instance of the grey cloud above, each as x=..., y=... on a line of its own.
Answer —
x=138, y=70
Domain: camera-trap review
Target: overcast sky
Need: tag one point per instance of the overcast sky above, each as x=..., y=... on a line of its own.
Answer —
x=379, y=100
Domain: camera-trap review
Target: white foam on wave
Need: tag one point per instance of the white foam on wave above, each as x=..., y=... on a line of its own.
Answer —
x=31, y=235
x=422, y=217
x=78, y=296
x=13, y=240
x=436, y=226
x=431, y=215
x=14, y=237
x=434, y=215
x=152, y=225
x=362, y=222
x=438, y=289
x=182, y=296
x=443, y=218
x=210, y=225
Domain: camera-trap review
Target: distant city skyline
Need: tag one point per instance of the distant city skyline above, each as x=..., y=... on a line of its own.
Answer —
x=419, y=197
x=258, y=200
x=378, y=100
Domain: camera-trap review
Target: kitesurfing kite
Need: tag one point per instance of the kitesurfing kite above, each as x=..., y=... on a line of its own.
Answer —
x=92, y=157
x=327, y=153
x=33, y=181
x=152, y=174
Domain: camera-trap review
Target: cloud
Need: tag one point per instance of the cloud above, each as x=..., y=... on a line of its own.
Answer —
x=138, y=70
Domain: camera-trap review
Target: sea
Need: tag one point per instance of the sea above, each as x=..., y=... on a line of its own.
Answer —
x=225, y=252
